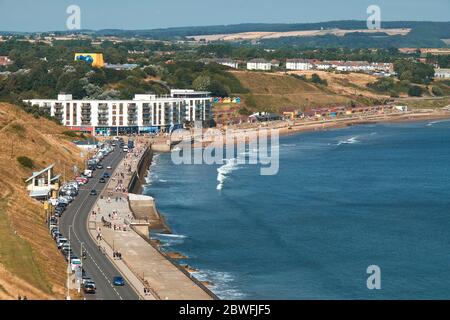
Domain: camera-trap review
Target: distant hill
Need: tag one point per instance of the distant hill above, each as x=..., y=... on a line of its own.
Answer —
x=423, y=33
x=279, y=92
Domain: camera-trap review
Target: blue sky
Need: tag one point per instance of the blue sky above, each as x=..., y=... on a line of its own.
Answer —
x=45, y=15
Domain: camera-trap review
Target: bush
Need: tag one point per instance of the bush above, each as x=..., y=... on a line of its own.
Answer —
x=383, y=85
x=26, y=162
x=415, y=91
x=437, y=91
x=318, y=80
x=70, y=134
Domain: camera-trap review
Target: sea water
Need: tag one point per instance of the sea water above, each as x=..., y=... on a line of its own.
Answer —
x=343, y=200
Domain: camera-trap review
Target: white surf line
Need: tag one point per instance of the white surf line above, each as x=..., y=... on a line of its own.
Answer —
x=74, y=232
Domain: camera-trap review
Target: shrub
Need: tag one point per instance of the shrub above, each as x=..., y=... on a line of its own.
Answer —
x=26, y=162
x=318, y=80
x=415, y=91
x=437, y=91
x=70, y=134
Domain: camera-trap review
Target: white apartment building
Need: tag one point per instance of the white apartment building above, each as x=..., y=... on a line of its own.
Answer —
x=259, y=64
x=145, y=113
x=198, y=107
x=298, y=64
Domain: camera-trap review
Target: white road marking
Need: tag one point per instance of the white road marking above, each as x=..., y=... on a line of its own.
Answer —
x=74, y=232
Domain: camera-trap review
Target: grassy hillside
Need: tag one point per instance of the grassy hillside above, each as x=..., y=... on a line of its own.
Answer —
x=279, y=91
x=30, y=264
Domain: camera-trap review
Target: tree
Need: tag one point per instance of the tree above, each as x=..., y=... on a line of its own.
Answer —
x=315, y=78
x=217, y=89
x=201, y=83
x=437, y=91
x=415, y=91
x=382, y=85
x=75, y=87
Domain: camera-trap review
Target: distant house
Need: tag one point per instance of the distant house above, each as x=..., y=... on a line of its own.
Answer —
x=126, y=66
x=264, y=116
x=322, y=65
x=442, y=73
x=5, y=61
x=228, y=62
x=275, y=63
x=298, y=64
x=41, y=184
x=259, y=64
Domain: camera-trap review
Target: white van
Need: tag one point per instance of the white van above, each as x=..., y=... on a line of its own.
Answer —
x=74, y=264
x=87, y=173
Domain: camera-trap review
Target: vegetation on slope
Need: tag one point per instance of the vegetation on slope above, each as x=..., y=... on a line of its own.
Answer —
x=302, y=90
x=30, y=263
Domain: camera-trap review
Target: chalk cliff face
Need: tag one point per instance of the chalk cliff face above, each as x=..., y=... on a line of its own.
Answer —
x=30, y=264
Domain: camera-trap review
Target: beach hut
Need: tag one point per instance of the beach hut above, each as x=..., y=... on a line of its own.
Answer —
x=41, y=183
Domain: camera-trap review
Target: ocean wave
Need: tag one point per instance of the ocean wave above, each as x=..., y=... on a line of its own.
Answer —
x=351, y=140
x=151, y=177
x=430, y=124
x=222, y=284
x=288, y=145
x=169, y=235
x=169, y=240
x=222, y=173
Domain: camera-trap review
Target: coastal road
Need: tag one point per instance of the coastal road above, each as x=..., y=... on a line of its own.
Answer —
x=97, y=266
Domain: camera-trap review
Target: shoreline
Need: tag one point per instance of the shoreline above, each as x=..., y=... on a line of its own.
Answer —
x=291, y=127
x=136, y=184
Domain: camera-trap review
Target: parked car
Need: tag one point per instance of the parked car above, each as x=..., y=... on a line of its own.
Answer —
x=57, y=235
x=82, y=180
x=61, y=241
x=118, y=281
x=88, y=288
x=91, y=282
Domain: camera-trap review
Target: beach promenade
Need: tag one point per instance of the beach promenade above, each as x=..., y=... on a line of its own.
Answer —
x=112, y=224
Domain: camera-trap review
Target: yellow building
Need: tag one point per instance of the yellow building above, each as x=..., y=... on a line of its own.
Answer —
x=94, y=59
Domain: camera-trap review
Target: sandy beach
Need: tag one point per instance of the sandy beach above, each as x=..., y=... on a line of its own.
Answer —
x=215, y=137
